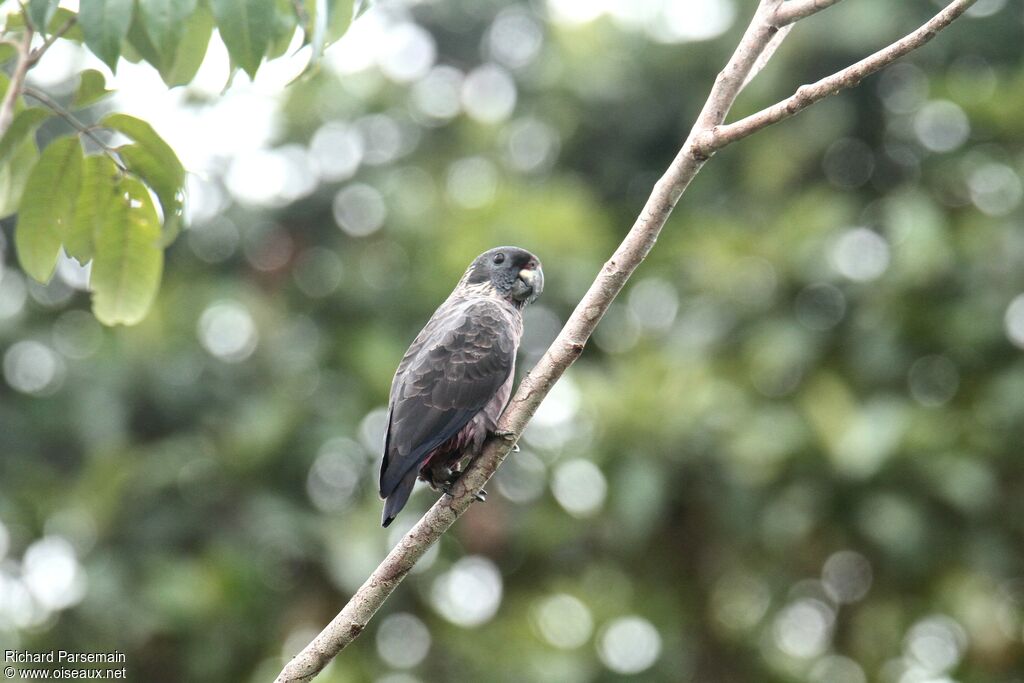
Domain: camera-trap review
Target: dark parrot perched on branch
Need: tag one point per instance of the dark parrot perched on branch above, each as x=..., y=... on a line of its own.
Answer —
x=455, y=379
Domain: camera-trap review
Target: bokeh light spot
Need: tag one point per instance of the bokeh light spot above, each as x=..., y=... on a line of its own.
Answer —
x=1013, y=321
x=318, y=272
x=522, y=478
x=836, y=669
x=936, y=644
x=803, y=629
x=579, y=487
x=739, y=600
x=52, y=573
x=33, y=368
x=472, y=182
x=407, y=53
x=564, y=621
x=629, y=645
x=359, y=209
x=437, y=94
x=403, y=641
x=337, y=150
x=335, y=474
x=489, y=94
x=933, y=380
x=531, y=145
x=848, y=163
x=820, y=306
x=469, y=593
x=903, y=88
x=77, y=335
x=227, y=331
x=860, y=254
x=654, y=303
x=514, y=38
x=13, y=294
x=846, y=576
x=941, y=126
x=995, y=189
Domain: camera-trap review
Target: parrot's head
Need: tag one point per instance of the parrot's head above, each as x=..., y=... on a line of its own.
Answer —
x=514, y=273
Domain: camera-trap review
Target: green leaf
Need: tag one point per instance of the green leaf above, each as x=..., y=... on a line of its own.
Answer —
x=246, y=27
x=341, y=14
x=155, y=162
x=92, y=87
x=14, y=21
x=24, y=124
x=61, y=17
x=7, y=52
x=164, y=181
x=14, y=174
x=98, y=199
x=105, y=24
x=164, y=23
x=139, y=46
x=328, y=21
x=47, y=207
x=191, y=50
x=40, y=12
x=128, y=261
x=283, y=29
x=180, y=65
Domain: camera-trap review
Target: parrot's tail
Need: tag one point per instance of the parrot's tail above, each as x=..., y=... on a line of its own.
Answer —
x=398, y=498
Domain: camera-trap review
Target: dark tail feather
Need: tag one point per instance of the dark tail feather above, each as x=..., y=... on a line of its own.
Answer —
x=396, y=501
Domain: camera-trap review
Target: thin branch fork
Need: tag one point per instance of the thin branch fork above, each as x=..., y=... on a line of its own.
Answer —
x=806, y=95
x=707, y=136
x=59, y=33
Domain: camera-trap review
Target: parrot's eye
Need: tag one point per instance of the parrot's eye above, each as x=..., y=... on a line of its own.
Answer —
x=499, y=258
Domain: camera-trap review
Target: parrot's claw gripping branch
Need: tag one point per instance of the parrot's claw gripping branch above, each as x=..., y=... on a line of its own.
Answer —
x=510, y=436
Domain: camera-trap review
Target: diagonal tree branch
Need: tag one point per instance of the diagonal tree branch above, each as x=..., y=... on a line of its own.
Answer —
x=27, y=58
x=21, y=67
x=567, y=347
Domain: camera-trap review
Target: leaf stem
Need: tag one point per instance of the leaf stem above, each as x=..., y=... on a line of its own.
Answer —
x=75, y=123
x=34, y=56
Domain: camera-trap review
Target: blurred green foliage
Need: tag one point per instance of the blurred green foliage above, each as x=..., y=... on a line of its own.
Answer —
x=791, y=452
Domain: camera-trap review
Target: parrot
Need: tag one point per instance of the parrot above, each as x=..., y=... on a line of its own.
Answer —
x=455, y=380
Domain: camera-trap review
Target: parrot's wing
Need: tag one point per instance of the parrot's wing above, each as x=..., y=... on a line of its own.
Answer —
x=454, y=368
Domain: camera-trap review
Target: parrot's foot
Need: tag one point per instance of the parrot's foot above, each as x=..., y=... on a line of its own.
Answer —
x=509, y=436
x=447, y=490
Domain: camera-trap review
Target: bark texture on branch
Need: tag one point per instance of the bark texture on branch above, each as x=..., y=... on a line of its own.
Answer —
x=795, y=10
x=707, y=136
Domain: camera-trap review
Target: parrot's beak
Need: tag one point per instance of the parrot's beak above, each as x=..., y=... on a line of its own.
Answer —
x=529, y=284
